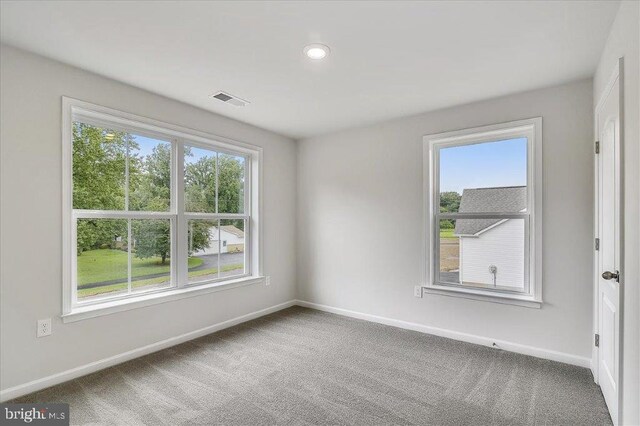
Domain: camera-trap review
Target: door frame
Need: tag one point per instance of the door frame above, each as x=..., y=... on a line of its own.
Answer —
x=616, y=75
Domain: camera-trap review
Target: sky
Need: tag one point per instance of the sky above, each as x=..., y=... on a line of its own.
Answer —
x=146, y=146
x=484, y=165
x=501, y=163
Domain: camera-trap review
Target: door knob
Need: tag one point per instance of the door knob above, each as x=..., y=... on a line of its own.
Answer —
x=608, y=275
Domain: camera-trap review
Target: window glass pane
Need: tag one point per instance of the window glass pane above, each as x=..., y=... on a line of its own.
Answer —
x=200, y=180
x=232, y=255
x=231, y=183
x=103, y=157
x=216, y=249
x=486, y=177
x=487, y=253
x=203, y=245
x=150, y=254
x=102, y=258
x=149, y=174
x=449, y=252
x=119, y=171
x=99, y=164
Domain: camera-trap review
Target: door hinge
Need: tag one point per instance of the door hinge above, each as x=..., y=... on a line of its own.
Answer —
x=597, y=147
x=597, y=340
x=597, y=243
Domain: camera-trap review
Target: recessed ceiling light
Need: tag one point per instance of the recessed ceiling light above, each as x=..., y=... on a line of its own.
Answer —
x=317, y=51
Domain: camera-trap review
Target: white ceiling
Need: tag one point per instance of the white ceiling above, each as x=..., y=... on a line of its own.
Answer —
x=388, y=59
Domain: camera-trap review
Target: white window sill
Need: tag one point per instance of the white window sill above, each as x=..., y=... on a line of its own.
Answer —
x=525, y=300
x=109, y=307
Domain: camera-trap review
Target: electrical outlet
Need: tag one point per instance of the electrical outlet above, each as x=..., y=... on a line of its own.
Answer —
x=44, y=327
x=267, y=280
x=417, y=291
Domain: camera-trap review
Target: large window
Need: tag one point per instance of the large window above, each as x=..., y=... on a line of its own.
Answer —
x=483, y=202
x=153, y=210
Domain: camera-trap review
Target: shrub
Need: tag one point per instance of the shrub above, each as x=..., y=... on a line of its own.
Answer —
x=446, y=224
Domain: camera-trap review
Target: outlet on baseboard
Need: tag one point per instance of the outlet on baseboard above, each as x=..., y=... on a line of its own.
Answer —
x=417, y=291
x=44, y=327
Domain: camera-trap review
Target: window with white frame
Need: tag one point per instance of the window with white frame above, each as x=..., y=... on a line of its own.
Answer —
x=483, y=201
x=153, y=209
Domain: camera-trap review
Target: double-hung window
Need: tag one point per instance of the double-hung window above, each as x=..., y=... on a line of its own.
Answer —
x=483, y=204
x=153, y=210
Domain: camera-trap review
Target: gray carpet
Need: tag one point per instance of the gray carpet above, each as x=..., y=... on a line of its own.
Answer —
x=301, y=366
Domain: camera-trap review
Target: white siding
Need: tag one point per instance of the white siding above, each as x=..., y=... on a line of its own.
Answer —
x=502, y=246
x=227, y=237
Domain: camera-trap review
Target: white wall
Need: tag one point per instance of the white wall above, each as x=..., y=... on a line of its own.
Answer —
x=360, y=192
x=624, y=41
x=30, y=262
x=501, y=246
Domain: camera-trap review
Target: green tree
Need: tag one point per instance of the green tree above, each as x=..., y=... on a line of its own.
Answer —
x=101, y=159
x=449, y=203
x=99, y=163
x=152, y=237
x=200, y=184
x=198, y=234
x=231, y=186
x=151, y=191
x=150, y=186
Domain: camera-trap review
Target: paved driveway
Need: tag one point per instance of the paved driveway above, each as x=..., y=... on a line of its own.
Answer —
x=450, y=277
x=211, y=260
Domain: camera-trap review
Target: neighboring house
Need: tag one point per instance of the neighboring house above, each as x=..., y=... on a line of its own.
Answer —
x=492, y=250
x=228, y=238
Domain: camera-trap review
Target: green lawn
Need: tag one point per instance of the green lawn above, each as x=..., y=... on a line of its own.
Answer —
x=87, y=292
x=105, y=265
x=224, y=268
x=95, y=266
x=447, y=233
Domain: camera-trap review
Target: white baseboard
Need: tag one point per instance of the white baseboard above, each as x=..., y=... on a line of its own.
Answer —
x=456, y=335
x=92, y=367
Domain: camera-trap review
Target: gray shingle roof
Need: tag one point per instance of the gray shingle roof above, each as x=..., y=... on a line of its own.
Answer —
x=233, y=230
x=509, y=199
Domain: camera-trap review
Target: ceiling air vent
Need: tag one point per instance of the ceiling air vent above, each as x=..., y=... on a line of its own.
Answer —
x=230, y=99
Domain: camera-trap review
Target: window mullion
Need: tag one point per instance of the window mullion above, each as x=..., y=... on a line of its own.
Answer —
x=126, y=175
x=181, y=234
x=436, y=246
x=219, y=247
x=217, y=176
x=122, y=214
x=247, y=208
x=216, y=216
x=173, y=207
x=455, y=216
x=74, y=262
x=129, y=244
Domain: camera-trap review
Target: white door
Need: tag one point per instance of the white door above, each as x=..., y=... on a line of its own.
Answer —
x=608, y=124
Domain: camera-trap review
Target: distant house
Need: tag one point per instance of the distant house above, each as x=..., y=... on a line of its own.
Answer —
x=492, y=250
x=228, y=238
